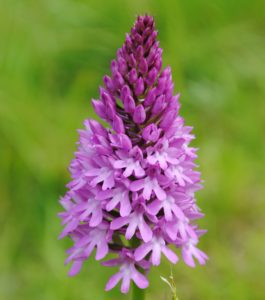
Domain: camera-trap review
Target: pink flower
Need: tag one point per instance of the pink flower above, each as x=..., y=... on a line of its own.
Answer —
x=104, y=175
x=130, y=162
x=86, y=240
x=150, y=184
x=117, y=196
x=169, y=207
x=157, y=246
x=189, y=251
x=134, y=220
x=126, y=273
x=135, y=179
x=163, y=155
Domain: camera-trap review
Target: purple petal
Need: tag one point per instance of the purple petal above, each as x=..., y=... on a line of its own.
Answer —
x=131, y=228
x=112, y=203
x=187, y=257
x=170, y=255
x=154, y=207
x=160, y=193
x=171, y=231
x=137, y=185
x=113, y=281
x=102, y=250
x=201, y=256
x=128, y=171
x=140, y=280
x=156, y=255
x=111, y=262
x=147, y=190
x=118, y=223
x=69, y=227
x=125, y=285
x=139, y=171
x=142, y=251
x=108, y=183
x=146, y=232
x=96, y=218
x=168, y=212
x=75, y=268
x=178, y=212
x=125, y=205
x=119, y=164
x=102, y=195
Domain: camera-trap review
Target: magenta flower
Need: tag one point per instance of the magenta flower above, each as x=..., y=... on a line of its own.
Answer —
x=128, y=271
x=134, y=221
x=133, y=185
x=157, y=246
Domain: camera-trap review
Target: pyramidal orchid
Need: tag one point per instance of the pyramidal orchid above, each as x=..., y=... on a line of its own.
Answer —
x=133, y=184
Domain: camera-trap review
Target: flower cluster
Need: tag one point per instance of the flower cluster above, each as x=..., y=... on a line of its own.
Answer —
x=133, y=184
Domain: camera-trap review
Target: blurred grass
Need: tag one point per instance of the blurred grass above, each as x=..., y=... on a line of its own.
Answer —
x=53, y=55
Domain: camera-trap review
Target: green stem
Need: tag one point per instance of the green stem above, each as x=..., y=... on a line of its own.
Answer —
x=137, y=294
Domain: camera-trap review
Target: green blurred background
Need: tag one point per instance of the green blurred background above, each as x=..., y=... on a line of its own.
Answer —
x=53, y=55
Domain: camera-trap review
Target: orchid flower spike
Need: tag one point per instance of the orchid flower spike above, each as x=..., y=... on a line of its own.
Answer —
x=133, y=184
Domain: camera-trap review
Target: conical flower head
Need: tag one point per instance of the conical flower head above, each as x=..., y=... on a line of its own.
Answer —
x=137, y=99
x=133, y=184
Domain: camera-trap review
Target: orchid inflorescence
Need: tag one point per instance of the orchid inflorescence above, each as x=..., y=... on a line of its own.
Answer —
x=133, y=184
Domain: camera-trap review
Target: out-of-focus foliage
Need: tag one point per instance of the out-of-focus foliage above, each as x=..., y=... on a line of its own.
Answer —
x=53, y=54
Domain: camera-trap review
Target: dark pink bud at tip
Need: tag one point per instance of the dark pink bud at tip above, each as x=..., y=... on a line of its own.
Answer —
x=132, y=61
x=110, y=110
x=168, y=119
x=106, y=97
x=159, y=105
x=125, y=92
x=151, y=77
x=128, y=41
x=122, y=65
x=169, y=91
x=137, y=38
x=139, y=25
x=151, y=133
x=150, y=98
x=118, y=80
x=114, y=66
x=118, y=124
x=158, y=63
x=139, y=86
x=143, y=66
x=125, y=142
x=132, y=76
x=129, y=104
x=99, y=108
x=148, y=20
x=174, y=102
x=139, y=52
x=151, y=39
x=152, y=53
x=147, y=32
x=97, y=128
x=166, y=72
x=139, y=114
x=161, y=85
x=108, y=83
x=102, y=93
